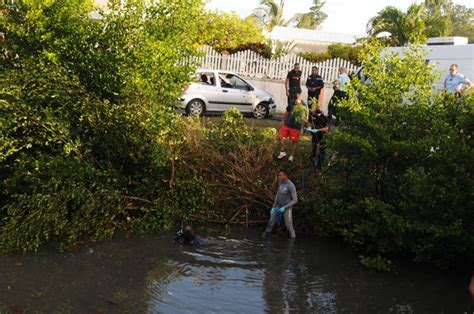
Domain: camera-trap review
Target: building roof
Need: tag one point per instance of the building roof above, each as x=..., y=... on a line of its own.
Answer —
x=309, y=36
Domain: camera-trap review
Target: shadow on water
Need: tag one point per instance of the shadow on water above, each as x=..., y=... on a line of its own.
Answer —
x=243, y=274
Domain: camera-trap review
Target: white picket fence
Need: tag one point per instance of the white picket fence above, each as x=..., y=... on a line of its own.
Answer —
x=250, y=64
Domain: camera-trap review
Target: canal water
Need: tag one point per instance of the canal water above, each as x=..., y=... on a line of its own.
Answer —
x=240, y=273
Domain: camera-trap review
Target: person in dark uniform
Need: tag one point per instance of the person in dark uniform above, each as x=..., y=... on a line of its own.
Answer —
x=315, y=85
x=293, y=84
x=319, y=126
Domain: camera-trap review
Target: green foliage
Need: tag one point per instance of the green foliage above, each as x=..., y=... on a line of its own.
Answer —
x=89, y=141
x=399, y=179
x=434, y=18
x=316, y=57
x=231, y=128
x=346, y=52
x=228, y=31
x=403, y=28
x=263, y=49
x=350, y=53
x=438, y=17
x=377, y=263
x=462, y=20
x=312, y=19
x=270, y=14
x=300, y=113
x=104, y=54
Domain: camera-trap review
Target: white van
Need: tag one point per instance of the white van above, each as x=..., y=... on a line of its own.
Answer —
x=444, y=51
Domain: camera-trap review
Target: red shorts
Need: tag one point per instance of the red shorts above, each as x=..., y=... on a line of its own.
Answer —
x=293, y=134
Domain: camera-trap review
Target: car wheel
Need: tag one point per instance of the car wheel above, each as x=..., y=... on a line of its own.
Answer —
x=260, y=111
x=195, y=107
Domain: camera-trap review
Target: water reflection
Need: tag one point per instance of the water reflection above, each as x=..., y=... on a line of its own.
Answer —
x=288, y=283
x=244, y=274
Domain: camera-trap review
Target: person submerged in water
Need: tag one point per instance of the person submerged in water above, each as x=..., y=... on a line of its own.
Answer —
x=187, y=235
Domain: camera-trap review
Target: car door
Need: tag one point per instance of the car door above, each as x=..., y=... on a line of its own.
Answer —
x=235, y=93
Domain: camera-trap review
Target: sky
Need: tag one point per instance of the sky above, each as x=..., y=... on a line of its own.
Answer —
x=344, y=16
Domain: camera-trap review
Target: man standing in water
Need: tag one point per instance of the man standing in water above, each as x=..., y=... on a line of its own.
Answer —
x=285, y=199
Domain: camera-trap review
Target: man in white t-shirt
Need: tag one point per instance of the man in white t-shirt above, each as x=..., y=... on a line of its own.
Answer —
x=343, y=78
x=455, y=82
x=340, y=92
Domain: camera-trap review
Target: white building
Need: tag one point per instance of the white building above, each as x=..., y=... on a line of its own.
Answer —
x=308, y=40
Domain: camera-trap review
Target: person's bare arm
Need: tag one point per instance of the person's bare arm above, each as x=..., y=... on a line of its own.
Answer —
x=321, y=98
x=287, y=87
x=468, y=84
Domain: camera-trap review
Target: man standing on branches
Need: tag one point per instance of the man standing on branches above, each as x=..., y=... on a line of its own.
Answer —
x=293, y=120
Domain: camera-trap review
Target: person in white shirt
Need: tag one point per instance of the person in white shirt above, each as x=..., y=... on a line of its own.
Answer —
x=343, y=78
x=340, y=92
x=455, y=82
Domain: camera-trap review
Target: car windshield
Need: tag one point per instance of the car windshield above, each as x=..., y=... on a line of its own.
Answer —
x=229, y=80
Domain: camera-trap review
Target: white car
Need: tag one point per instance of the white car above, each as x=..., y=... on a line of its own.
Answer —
x=216, y=91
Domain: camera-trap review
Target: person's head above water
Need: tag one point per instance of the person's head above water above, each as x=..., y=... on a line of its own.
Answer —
x=187, y=235
x=282, y=175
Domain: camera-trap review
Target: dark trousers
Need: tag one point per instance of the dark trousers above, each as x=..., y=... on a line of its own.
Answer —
x=315, y=141
x=335, y=99
x=339, y=94
x=292, y=96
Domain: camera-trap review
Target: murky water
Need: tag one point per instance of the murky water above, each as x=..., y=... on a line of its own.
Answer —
x=243, y=273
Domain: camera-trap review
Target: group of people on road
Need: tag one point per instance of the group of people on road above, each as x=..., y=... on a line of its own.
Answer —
x=315, y=122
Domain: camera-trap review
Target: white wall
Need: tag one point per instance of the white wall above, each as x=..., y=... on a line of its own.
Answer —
x=277, y=89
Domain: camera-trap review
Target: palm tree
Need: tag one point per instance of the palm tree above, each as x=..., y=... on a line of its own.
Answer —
x=438, y=19
x=313, y=18
x=403, y=28
x=270, y=14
